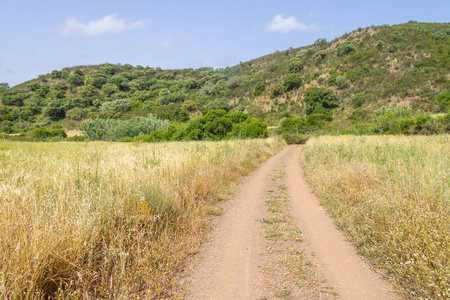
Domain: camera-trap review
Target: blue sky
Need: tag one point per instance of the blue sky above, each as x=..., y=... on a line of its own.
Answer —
x=37, y=37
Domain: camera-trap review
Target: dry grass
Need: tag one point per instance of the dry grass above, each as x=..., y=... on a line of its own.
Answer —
x=392, y=195
x=109, y=220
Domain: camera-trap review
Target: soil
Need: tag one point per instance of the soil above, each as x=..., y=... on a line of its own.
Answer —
x=230, y=263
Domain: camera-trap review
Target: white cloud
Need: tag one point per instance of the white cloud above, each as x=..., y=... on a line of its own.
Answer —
x=167, y=42
x=281, y=24
x=109, y=23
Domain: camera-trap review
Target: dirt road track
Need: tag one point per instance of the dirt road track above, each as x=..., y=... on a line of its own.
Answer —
x=228, y=268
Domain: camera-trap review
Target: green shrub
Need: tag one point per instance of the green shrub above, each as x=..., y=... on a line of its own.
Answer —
x=359, y=72
x=444, y=101
x=345, y=48
x=342, y=82
x=76, y=138
x=293, y=125
x=358, y=100
x=254, y=128
x=276, y=90
x=295, y=65
x=259, y=89
x=292, y=81
x=43, y=133
x=320, y=101
x=295, y=138
x=113, y=130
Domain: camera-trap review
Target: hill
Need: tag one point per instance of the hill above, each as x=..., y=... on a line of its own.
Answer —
x=358, y=74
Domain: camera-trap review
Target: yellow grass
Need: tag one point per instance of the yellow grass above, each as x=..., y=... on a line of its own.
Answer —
x=392, y=195
x=72, y=133
x=109, y=220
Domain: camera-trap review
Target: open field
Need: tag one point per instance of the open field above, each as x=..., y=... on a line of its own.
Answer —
x=109, y=220
x=392, y=196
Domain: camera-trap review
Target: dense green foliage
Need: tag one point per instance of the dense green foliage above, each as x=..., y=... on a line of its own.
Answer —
x=113, y=130
x=346, y=80
x=214, y=125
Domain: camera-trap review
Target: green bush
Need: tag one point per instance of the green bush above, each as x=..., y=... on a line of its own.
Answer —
x=113, y=130
x=254, y=128
x=96, y=79
x=345, y=48
x=276, y=90
x=342, y=82
x=295, y=138
x=444, y=101
x=358, y=100
x=399, y=120
x=43, y=133
x=320, y=101
x=259, y=89
x=292, y=81
x=119, y=105
x=296, y=65
x=293, y=125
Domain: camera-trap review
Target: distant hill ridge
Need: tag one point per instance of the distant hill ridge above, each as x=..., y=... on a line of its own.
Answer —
x=406, y=64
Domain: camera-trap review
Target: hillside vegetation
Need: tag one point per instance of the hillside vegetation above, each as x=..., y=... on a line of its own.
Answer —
x=342, y=83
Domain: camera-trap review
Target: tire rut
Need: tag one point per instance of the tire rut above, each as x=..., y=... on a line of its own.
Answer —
x=229, y=266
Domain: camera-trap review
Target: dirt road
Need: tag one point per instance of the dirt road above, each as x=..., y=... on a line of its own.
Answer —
x=229, y=266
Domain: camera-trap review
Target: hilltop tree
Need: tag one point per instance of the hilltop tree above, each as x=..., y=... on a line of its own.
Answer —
x=345, y=48
x=320, y=43
x=4, y=87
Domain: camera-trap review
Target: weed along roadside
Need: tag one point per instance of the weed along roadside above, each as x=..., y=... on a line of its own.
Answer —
x=261, y=249
x=391, y=196
x=110, y=220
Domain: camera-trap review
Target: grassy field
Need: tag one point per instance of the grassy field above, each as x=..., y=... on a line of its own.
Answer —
x=391, y=194
x=109, y=220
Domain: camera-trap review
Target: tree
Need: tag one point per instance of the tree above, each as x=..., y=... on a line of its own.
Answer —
x=4, y=87
x=96, y=79
x=320, y=43
x=296, y=65
x=180, y=114
x=320, y=100
x=119, y=105
x=34, y=103
x=345, y=48
x=276, y=90
x=259, y=89
x=33, y=86
x=319, y=56
x=111, y=69
x=76, y=113
x=56, y=74
x=218, y=104
x=292, y=81
x=217, y=124
x=75, y=79
x=121, y=82
x=254, y=128
x=55, y=109
x=110, y=89
x=78, y=72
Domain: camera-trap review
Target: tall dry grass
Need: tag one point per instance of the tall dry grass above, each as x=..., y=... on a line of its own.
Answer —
x=109, y=220
x=392, y=195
